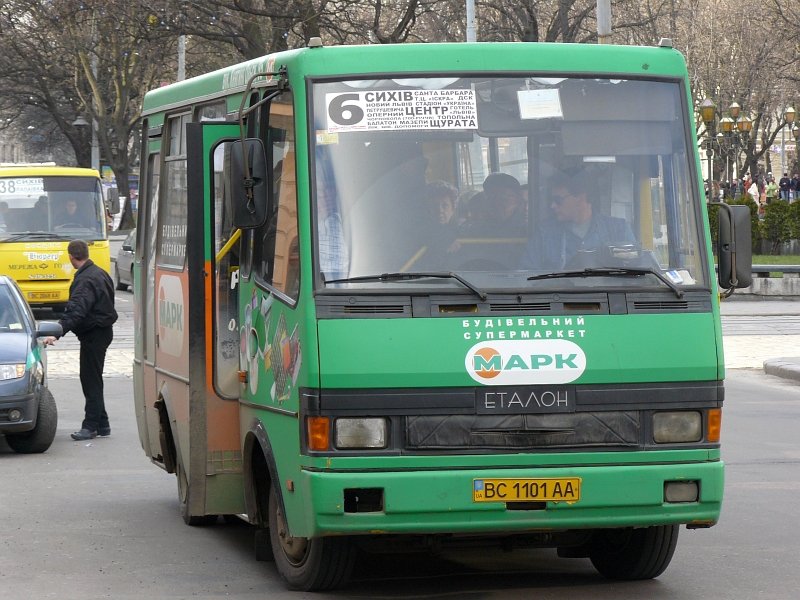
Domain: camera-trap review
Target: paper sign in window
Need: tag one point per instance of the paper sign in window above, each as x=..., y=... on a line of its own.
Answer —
x=539, y=104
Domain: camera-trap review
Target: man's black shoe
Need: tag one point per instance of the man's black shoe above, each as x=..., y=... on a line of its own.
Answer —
x=83, y=434
x=104, y=431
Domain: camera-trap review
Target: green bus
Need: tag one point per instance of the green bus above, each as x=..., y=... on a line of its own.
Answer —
x=430, y=293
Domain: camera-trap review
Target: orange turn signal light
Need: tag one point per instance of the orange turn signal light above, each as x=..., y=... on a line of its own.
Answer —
x=319, y=433
x=714, y=428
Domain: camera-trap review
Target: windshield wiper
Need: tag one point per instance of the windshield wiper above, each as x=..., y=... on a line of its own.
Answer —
x=40, y=235
x=611, y=272
x=406, y=276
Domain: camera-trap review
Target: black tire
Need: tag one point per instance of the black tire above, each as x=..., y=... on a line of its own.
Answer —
x=633, y=554
x=183, y=498
x=308, y=564
x=39, y=438
x=119, y=285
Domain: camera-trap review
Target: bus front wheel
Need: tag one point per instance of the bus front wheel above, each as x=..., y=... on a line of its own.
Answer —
x=308, y=564
x=633, y=554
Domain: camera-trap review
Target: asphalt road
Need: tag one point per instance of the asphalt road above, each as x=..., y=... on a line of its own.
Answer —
x=96, y=520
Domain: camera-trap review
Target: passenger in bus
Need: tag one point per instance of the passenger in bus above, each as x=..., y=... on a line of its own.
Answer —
x=38, y=216
x=503, y=214
x=441, y=223
x=334, y=253
x=576, y=230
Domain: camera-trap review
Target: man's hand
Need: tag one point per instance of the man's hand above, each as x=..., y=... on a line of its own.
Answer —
x=49, y=340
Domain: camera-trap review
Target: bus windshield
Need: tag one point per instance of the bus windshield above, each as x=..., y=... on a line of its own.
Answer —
x=516, y=183
x=62, y=206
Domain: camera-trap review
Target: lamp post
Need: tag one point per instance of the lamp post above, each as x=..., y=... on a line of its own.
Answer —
x=736, y=129
x=788, y=116
x=95, y=148
x=796, y=135
x=708, y=112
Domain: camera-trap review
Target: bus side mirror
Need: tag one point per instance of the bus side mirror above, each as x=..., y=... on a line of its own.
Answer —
x=112, y=201
x=249, y=207
x=735, y=247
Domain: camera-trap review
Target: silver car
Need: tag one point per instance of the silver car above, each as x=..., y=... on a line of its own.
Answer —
x=123, y=271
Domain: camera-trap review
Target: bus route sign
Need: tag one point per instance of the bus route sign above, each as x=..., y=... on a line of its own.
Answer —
x=21, y=186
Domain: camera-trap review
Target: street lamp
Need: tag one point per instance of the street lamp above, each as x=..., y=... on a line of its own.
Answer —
x=796, y=135
x=95, y=148
x=708, y=112
x=735, y=129
x=788, y=116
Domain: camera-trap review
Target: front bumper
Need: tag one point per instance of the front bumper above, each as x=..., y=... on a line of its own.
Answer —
x=440, y=501
x=27, y=404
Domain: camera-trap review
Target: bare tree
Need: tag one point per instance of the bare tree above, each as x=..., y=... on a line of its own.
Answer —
x=92, y=59
x=732, y=59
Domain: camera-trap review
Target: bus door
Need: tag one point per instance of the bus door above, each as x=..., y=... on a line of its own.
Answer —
x=213, y=257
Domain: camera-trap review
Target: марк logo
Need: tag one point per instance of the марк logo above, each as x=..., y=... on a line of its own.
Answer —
x=521, y=362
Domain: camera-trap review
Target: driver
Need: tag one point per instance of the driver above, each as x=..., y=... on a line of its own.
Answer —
x=574, y=227
x=71, y=216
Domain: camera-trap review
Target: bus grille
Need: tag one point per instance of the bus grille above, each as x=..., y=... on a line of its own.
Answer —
x=565, y=430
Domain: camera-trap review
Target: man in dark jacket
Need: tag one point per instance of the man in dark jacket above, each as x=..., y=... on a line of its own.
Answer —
x=90, y=315
x=785, y=185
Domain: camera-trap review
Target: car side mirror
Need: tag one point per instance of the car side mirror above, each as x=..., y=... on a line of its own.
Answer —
x=734, y=249
x=248, y=189
x=48, y=328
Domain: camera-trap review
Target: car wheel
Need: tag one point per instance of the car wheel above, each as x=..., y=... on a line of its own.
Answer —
x=120, y=285
x=308, y=564
x=40, y=437
x=633, y=554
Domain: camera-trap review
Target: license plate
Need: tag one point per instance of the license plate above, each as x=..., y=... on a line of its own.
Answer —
x=44, y=295
x=562, y=489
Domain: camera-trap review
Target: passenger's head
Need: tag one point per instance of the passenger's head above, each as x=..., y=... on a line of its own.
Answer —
x=441, y=199
x=504, y=193
x=78, y=250
x=569, y=198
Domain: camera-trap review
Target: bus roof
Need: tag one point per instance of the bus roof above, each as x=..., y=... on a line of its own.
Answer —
x=417, y=58
x=33, y=170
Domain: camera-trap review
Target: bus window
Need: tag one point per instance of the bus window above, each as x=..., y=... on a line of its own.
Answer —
x=149, y=235
x=226, y=251
x=172, y=221
x=276, y=257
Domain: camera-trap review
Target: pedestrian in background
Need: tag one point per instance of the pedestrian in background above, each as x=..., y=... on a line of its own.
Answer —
x=772, y=191
x=90, y=315
x=785, y=185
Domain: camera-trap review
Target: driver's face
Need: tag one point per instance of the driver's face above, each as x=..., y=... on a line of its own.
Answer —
x=71, y=208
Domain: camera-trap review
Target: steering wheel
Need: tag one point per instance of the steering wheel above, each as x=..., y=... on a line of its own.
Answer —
x=66, y=225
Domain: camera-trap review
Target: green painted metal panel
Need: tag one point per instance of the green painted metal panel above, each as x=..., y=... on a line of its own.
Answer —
x=436, y=351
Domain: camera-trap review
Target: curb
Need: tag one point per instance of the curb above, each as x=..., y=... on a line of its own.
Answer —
x=788, y=368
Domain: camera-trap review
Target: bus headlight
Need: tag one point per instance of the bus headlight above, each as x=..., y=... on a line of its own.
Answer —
x=677, y=426
x=360, y=433
x=12, y=371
